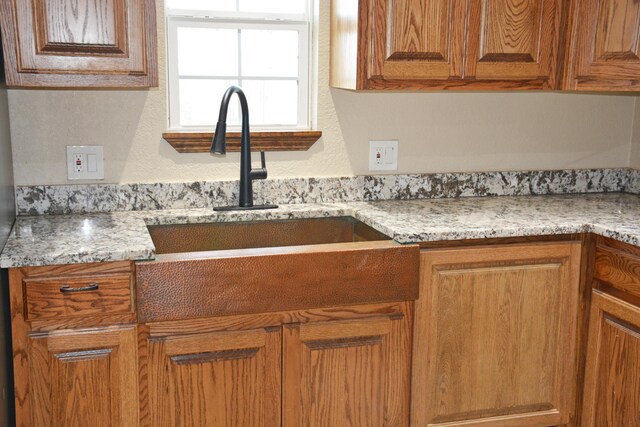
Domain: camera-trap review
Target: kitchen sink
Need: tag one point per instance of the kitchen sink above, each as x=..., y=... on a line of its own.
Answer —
x=235, y=268
x=217, y=236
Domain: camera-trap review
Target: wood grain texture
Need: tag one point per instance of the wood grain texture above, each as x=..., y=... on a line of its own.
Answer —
x=347, y=373
x=493, y=328
x=604, y=47
x=218, y=379
x=618, y=269
x=612, y=376
x=83, y=378
x=265, y=320
x=446, y=44
x=200, y=142
x=206, y=284
x=418, y=39
x=45, y=300
x=514, y=39
x=72, y=26
x=83, y=43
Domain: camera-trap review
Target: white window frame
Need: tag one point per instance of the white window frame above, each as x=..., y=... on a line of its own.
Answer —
x=302, y=23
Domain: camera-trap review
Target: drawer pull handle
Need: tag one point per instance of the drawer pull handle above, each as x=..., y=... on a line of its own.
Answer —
x=67, y=289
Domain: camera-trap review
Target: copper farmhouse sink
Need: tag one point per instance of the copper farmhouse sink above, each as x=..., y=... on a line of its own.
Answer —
x=226, y=268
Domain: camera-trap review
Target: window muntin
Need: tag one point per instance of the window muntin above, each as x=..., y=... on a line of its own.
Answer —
x=267, y=57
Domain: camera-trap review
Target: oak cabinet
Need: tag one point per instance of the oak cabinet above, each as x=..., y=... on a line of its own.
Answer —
x=347, y=373
x=612, y=375
x=604, y=49
x=84, y=378
x=320, y=367
x=495, y=336
x=215, y=379
x=75, y=345
x=79, y=43
x=445, y=44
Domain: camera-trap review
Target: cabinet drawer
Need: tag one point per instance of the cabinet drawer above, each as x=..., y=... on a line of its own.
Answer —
x=78, y=296
x=618, y=269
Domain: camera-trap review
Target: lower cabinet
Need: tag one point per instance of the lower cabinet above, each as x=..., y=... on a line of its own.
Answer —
x=351, y=372
x=83, y=378
x=495, y=336
x=612, y=376
x=216, y=379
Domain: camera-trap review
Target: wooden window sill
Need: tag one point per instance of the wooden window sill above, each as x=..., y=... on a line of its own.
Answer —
x=200, y=142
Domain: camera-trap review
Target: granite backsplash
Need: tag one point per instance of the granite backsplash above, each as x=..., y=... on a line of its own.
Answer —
x=89, y=198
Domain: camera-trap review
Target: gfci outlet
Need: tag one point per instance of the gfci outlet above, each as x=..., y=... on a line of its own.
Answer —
x=85, y=162
x=383, y=155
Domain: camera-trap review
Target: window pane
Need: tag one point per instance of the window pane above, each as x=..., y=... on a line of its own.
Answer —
x=269, y=53
x=273, y=6
x=272, y=102
x=200, y=102
x=207, y=52
x=225, y=5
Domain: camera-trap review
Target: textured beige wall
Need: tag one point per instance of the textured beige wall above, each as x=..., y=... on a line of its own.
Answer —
x=437, y=131
x=634, y=160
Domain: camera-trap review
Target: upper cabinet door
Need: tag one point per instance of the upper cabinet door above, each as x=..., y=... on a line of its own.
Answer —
x=605, y=46
x=514, y=40
x=399, y=44
x=79, y=43
x=417, y=39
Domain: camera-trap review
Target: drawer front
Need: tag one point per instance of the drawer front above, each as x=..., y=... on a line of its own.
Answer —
x=78, y=296
x=618, y=269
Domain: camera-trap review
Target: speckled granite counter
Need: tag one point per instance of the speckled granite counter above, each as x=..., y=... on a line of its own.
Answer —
x=43, y=240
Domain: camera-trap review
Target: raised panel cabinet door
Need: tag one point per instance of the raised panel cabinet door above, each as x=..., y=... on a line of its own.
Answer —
x=612, y=374
x=417, y=39
x=514, y=40
x=215, y=379
x=495, y=336
x=108, y=43
x=347, y=373
x=605, y=45
x=83, y=378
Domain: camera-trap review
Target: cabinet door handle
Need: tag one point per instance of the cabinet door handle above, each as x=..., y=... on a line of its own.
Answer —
x=68, y=289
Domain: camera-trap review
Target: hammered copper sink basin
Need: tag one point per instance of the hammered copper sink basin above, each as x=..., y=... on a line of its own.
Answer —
x=229, y=268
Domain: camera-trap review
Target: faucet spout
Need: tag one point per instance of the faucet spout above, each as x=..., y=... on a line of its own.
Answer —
x=218, y=146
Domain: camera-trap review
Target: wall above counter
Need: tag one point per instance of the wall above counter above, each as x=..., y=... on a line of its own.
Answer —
x=480, y=45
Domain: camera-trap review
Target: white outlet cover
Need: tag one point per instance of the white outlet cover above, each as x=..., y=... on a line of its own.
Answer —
x=83, y=151
x=387, y=148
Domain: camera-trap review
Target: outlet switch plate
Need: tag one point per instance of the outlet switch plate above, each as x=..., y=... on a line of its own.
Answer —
x=85, y=162
x=383, y=155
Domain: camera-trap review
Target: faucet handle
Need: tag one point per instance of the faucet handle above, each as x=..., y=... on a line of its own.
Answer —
x=262, y=172
x=263, y=161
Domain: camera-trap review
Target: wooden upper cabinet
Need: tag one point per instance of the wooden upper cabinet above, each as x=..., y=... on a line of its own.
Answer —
x=514, y=40
x=417, y=39
x=445, y=44
x=79, y=43
x=605, y=46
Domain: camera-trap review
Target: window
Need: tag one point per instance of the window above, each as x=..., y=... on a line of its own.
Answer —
x=261, y=46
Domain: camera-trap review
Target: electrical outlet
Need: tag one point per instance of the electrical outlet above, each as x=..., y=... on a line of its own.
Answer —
x=85, y=162
x=383, y=155
x=78, y=163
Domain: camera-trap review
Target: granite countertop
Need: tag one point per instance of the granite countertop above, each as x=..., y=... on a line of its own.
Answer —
x=117, y=236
